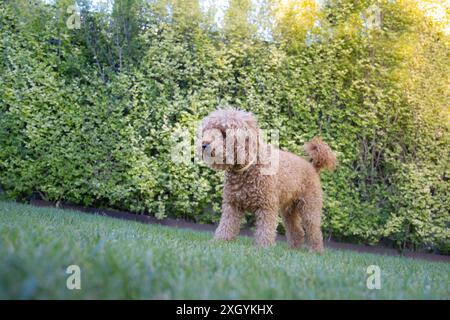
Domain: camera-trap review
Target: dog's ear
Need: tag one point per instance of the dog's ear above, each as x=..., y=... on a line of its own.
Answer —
x=251, y=121
x=252, y=125
x=203, y=124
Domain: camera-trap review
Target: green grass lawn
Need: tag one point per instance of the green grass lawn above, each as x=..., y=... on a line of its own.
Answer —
x=122, y=259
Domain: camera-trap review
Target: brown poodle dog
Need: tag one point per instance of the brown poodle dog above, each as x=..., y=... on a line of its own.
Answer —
x=263, y=180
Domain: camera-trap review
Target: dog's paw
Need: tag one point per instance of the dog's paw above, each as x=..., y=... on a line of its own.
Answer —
x=222, y=238
x=264, y=243
x=317, y=250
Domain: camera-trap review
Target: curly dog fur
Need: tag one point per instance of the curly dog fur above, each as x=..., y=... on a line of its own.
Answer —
x=292, y=189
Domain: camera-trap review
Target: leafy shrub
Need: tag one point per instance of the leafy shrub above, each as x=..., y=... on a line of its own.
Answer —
x=89, y=116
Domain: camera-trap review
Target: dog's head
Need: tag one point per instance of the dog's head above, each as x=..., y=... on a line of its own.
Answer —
x=229, y=139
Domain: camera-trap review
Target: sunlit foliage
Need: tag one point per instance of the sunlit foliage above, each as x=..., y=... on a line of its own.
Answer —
x=88, y=115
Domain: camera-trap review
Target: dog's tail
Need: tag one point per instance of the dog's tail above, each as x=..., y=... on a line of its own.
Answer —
x=321, y=155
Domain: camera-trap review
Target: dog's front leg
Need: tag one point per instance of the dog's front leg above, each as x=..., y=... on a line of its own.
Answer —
x=230, y=223
x=266, y=227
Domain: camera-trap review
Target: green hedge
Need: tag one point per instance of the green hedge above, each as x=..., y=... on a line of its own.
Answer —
x=77, y=126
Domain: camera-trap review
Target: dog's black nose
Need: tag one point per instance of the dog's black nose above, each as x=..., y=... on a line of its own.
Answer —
x=205, y=145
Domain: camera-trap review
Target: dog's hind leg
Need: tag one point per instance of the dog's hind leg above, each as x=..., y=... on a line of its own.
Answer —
x=311, y=210
x=229, y=224
x=292, y=223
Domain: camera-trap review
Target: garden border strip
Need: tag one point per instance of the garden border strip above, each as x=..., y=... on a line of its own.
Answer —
x=178, y=223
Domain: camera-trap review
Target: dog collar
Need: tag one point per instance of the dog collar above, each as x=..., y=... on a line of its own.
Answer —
x=244, y=168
